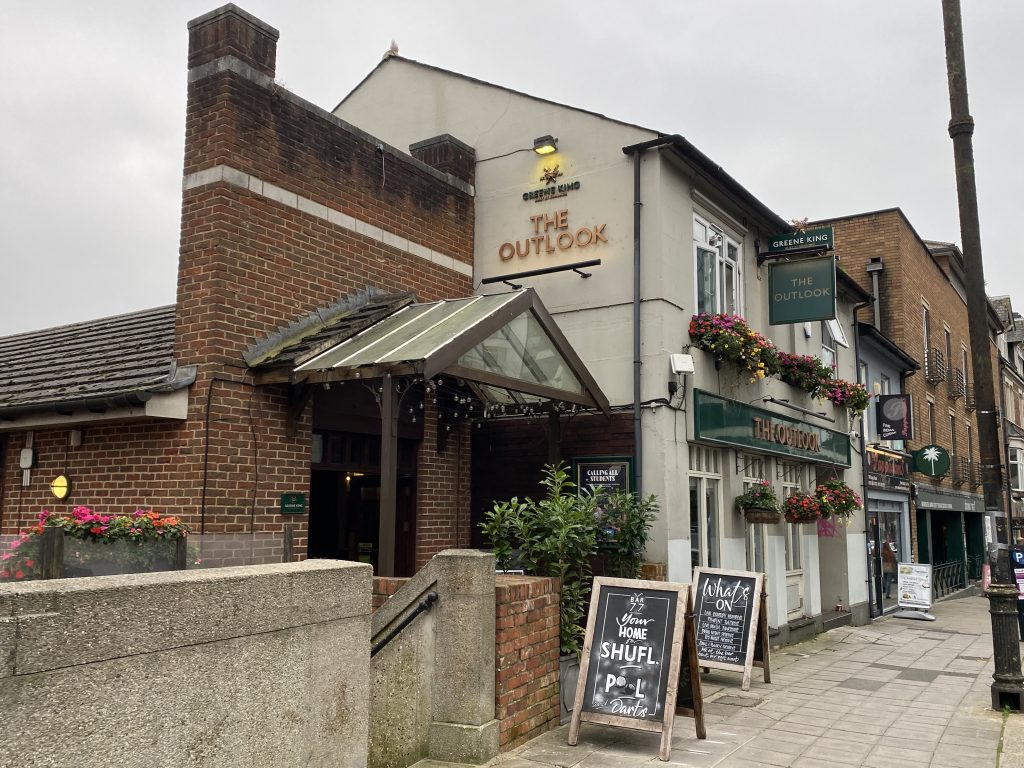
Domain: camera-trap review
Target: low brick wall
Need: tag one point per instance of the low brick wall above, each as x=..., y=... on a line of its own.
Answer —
x=526, y=653
x=526, y=645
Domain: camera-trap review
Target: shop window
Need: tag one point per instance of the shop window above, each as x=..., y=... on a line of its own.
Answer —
x=755, y=469
x=705, y=507
x=828, y=347
x=717, y=260
x=793, y=480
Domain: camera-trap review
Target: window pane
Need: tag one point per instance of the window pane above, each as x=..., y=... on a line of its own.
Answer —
x=711, y=510
x=705, y=280
x=695, y=513
x=729, y=284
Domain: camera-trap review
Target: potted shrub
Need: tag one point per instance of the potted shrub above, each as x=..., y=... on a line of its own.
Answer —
x=838, y=500
x=802, y=507
x=759, y=504
x=625, y=520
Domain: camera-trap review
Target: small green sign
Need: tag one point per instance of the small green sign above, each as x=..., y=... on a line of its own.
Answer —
x=293, y=503
x=802, y=290
x=820, y=239
x=932, y=460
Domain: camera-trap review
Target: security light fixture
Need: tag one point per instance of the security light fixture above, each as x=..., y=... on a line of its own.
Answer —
x=545, y=145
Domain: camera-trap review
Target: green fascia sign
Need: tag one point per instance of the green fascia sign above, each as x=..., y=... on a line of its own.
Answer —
x=819, y=239
x=293, y=503
x=928, y=499
x=732, y=423
x=802, y=290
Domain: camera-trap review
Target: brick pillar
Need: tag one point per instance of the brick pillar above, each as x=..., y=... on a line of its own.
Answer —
x=230, y=31
x=447, y=154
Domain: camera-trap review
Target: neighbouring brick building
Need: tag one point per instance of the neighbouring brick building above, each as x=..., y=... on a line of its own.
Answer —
x=919, y=286
x=298, y=231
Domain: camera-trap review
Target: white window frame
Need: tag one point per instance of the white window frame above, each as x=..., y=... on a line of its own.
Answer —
x=705, y=468
x=1016, y=467
x=755, y=469
x=712, y=240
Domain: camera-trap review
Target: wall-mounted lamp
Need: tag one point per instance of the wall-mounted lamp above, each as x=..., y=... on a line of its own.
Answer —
x=545, y=145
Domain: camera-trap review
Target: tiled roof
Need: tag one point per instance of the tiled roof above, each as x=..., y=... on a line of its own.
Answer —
x=90, y=361
x=325, y=328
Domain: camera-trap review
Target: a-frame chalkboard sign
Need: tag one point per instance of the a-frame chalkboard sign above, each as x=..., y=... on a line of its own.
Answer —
x=639, y=650
x=730, y=614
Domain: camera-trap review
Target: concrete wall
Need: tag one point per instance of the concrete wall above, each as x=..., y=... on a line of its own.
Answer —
x=253, y=666
x=433, y=685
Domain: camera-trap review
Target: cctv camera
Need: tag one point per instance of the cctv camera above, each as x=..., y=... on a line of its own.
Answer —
x=854, y=434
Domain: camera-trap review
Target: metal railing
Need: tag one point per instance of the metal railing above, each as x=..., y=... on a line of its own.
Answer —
x=974, y=564
x=976, y=479
x=934, y=366
x=970, y=403
x=948, y=578
x=956, y=382
x=424, y=605
x=960, y=469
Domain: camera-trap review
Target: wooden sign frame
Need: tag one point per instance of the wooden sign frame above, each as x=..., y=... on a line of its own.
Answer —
x=682, y=635
x=758, y=650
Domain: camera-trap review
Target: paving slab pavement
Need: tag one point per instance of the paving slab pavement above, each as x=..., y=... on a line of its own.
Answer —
x=892, y=694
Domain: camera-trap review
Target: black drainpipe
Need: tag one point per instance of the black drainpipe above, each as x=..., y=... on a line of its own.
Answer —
x=864, y=481
x=636, y=150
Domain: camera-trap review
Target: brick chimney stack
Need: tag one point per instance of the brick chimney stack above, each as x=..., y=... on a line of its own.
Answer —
x=230, y=31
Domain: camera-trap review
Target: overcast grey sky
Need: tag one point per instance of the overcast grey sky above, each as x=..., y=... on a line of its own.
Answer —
x=818, y=108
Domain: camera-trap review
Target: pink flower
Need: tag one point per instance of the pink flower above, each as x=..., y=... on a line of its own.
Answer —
x=16, y=543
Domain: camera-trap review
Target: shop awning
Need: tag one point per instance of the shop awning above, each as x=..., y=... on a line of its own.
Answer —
x=506, y=346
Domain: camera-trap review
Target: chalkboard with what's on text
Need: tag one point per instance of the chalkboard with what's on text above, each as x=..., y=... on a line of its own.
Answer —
x=730, y=621
x=630, y=667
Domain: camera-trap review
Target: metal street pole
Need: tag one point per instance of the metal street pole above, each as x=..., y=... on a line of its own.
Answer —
x=1008, y=685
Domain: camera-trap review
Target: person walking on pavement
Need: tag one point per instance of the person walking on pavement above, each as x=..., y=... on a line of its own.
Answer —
x=888, y=567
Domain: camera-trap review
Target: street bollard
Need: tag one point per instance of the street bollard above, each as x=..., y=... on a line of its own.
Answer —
x=1008, y=685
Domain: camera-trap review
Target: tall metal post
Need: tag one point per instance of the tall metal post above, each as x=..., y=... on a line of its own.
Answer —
x=1008, y=685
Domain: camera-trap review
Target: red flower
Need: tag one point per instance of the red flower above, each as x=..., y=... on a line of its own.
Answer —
x=96, y=530
x=19, y=574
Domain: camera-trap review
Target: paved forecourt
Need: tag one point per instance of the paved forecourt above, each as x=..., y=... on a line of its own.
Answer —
x=895, y=694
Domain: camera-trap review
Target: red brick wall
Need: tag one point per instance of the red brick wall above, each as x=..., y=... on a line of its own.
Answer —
x=910, y=275
x=249, y=265
x=526, y=653
x=526, y=644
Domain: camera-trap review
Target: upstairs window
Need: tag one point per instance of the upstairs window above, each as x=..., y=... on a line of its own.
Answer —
x=717, y=260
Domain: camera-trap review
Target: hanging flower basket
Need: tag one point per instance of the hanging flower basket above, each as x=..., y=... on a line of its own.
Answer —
x=802, y=508
x=839, y=501
x=762, y=515
x=759, y=504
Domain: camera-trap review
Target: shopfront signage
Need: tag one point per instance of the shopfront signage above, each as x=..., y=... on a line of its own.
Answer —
x=552, y=187
x=818, y=239
x=802, y=290
x=552, y=233
x=894, y=417
x=632, y=658
x=731, y=621
x=932, y=460
x=887, y=470
x=611, y=474
x=729, y=422
x=955, y=502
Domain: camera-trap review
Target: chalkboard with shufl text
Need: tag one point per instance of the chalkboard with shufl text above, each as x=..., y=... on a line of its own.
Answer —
x=632, y=656
x=731, y=625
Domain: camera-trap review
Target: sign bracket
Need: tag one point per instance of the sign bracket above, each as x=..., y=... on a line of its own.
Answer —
x=763, y=257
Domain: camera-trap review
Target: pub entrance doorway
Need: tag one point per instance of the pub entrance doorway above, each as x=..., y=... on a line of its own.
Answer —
x=344, y=507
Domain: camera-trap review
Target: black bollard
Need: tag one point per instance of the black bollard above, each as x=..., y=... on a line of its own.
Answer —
x=1008, y=683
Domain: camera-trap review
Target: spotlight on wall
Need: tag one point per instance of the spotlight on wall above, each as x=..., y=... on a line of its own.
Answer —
x=545, y=145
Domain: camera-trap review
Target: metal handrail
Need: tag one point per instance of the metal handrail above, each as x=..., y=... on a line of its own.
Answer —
x=424, y=605
x=948, y=577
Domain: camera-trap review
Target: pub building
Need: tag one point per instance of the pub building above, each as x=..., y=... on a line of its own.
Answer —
x=359, y=362
x=626, y=233
x=887, y=424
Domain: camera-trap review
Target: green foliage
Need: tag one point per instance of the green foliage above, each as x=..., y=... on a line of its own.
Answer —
x=625, y=524
x=558, y=535
x=760, y=495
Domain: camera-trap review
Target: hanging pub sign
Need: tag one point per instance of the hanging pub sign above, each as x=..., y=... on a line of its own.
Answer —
x=731, y=621
x=893, y=417
x=817, y=239
x=638, y=654
x=802, y=290
x=932, y=460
